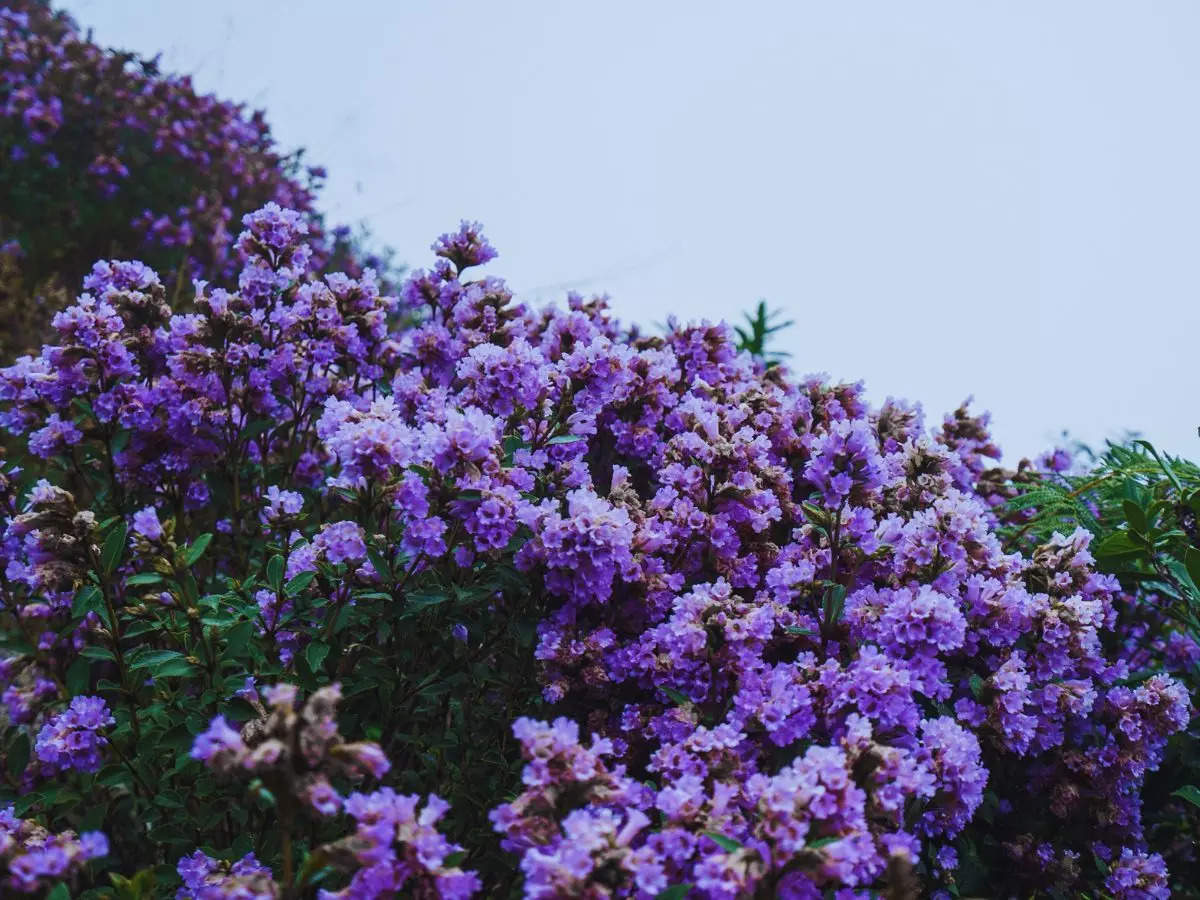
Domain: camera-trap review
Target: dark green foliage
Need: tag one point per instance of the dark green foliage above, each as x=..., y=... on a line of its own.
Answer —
x=1143, y=508
x=760, y=327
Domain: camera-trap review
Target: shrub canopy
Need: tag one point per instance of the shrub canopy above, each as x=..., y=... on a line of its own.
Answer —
x=106, y=156
x=653, y=618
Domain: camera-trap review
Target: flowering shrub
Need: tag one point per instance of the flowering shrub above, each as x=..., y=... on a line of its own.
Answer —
x=1143, y=508
x=652, y=617
x=104, y=155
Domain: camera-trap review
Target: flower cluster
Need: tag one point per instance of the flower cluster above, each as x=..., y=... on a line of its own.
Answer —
x=72, y=739
x=34, y=859
x=205, y=878
x=397, y=848
x=295, y=751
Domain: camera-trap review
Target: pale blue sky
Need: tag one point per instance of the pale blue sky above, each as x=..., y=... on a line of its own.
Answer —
x=949, y=197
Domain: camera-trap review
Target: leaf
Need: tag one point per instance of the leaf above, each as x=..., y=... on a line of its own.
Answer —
x=418, y=603
x=380, y=564
x=164, y=663
x=114, y=548
x=564, y=439
x=822, y=842
x=314, y=865
x=674, y=892
x=1135, y=516
x=174, y=668
x=59, y=892
x=728, y=844
x=275, y=572
x=120, y=440
x=79, y=676
x=676, y=696
x=1191, y=558
x=315, y=654
x=150, y=658
x=143, y=578
x=196, y=549
x=18, y=755
x=834, y=603
x=237, y=637
x=976, y=687
x=87, y=599
x=1188, y=792
x=298, y=583
x=255, y=428
x=125, y=889
x=1119, y=543
x=802, y=632
x=1167, y=470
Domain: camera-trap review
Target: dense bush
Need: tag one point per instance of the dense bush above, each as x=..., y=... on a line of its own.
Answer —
x=103, y=155
x=1143, y=509
x=654, y=618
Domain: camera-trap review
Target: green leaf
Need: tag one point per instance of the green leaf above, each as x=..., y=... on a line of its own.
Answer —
x=275, y=572
x=59, y=892
x=314, y=866
x=976, y=687
x=834, y=603
x=87, y=599
x=174, y=668
x=18, y=755
x=150, y=658
x=143, y=578
x=237, y=637
x=196, y=549
x=565, y=439
x=1135, y=516
x=315, y=654
x=79, y=675
x=298, y=583
x=114, y=548
x=1167, y=470
x=728, y=844
x=1188, y=792
x=1191, y=558
x=822, y=842
x=380, y=564
x=674, y=892
x=101, y=653
x=676, y=696
x=124, y=887
x=164, y=663
x=417, y=603
x=255, y=428
x=120, y=440
x=1119, y=543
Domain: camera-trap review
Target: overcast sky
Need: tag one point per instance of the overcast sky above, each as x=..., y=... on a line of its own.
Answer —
x=999, y=199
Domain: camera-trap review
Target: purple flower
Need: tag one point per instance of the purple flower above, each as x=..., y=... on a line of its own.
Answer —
x=219, y=739
x=466, y=247
x=145, y=523
x=73, y=739
x=341, y=542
